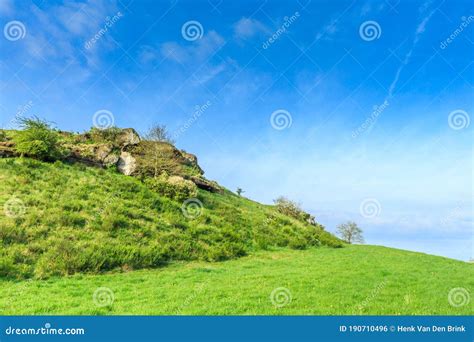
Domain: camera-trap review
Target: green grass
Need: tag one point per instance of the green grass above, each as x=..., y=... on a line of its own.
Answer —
x=354, y=280
x=78, y=219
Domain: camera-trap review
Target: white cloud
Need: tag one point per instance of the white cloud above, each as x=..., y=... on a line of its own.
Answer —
x=248, y=27
x=197, y=51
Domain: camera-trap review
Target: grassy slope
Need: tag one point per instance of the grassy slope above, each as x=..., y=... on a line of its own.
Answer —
x=321, y=281
x=89, y=220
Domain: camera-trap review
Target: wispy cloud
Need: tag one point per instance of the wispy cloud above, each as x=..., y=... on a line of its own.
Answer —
x=420, y=29
x=197, y=51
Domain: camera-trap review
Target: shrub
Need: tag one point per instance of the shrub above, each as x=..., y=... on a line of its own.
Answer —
x=174, y=187
x=293, y=209
x=3, y=135
x=104, y=135
x=37, y=140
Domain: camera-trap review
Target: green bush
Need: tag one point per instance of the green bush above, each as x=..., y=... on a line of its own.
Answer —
x=293, y=209
x=174, y=187
x=37, y=140
x=3, y=135
x=104, y=135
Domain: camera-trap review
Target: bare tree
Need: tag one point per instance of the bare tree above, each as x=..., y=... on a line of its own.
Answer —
x=350, y=232
x=159, y=132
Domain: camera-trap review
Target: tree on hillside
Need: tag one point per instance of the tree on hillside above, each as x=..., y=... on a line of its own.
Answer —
x=157, y=133
x=160, y=133
x=240, y=191
x=350, y=232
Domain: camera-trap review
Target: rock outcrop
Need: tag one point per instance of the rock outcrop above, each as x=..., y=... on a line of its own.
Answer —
x=126, y=164
x=131, y=155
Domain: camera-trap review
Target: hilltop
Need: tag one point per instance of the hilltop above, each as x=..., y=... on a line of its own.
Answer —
x=113, y=201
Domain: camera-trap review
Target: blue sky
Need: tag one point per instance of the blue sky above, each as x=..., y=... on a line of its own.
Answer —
x=359, y=110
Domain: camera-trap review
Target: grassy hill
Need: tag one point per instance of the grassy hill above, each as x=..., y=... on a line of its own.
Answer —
x=352, y=280
x=70, y=218
x=121, y=225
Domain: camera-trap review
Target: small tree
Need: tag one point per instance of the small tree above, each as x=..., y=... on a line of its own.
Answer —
x=240, y=191
x=350, y=232
x=37, y=139
x=159, y=132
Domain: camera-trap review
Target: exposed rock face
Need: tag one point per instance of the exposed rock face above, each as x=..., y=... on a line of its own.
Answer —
x=127, y=137
x=205, y=184
x=132, y=156
x=7, y=150
x=127, y=164
x=110, y=160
